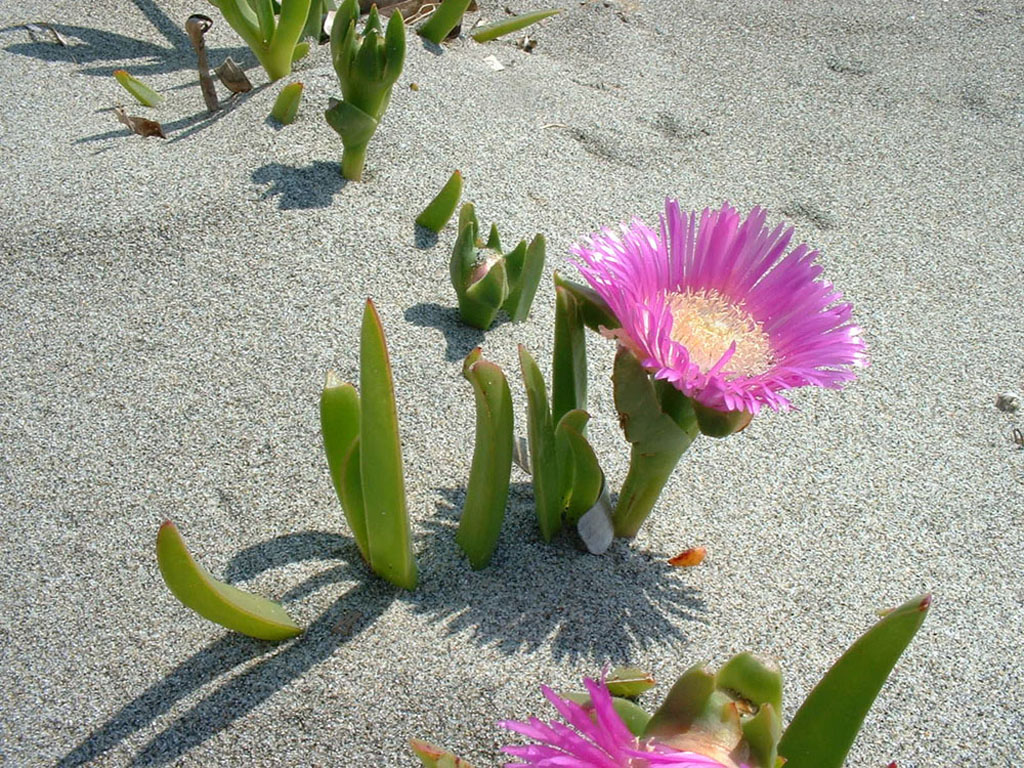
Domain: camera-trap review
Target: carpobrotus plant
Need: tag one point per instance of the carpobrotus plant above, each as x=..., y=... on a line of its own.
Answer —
x=715, y=321
x=368, y=66
x=487, y=280
x=364, y=455
x=274, y=40
x=728, y=719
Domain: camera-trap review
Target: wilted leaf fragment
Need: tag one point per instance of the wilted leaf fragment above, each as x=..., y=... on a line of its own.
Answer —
x=212, y=599
x=286, y=106
x=689, y=557
x=233, y=76
x=435, y=757
x=139, y=125
x=142, y=92
x=514, y=24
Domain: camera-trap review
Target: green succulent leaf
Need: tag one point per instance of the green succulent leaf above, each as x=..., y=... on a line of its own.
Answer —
x=587, y=479
x=761, y=732
x=569, y=368
x=443, y=20
x=383, y=486
x=826, y=724
x=480, y=301
x=339, y=423
x=593, y=309
x=640, y=408
x=756, y=680
x=214, y=600
x=353, y=125
x=465, y=253
x=487, y=491
x=629, y=682
x=526, y=264
x=440, y=209
x=142, y=92
x=686, y=703
x=543, y=456
x=286, y=105
x=496, y=29
x=266, y=19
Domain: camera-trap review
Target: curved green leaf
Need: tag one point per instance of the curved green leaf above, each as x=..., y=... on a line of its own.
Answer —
x=629, y=682
x=826, y=724
x=487, y=490
x=339, y=423
x=214, y=600
x=543, y=456
x=286, y=105
x=593, y=309
x=142, y=92
x=380, y=462
x=527, y=271
x=505, y=26
x=443, y=20
x=569, y=369
x=440, y=209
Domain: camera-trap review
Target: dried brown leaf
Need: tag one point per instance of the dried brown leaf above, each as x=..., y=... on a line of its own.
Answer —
x=140, y=125
x=233, y=76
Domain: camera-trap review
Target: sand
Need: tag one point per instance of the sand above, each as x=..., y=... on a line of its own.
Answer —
x=168, y=309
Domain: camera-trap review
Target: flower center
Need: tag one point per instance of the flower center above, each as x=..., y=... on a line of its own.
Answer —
x=707, y=324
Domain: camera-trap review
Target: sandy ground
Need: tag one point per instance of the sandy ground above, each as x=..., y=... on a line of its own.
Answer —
x=168, y=309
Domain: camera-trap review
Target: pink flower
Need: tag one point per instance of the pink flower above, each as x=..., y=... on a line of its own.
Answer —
x=714, y=305
x=603, y=741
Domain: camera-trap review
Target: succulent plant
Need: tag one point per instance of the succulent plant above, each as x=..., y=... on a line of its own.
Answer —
x=368, y=65
x=275, y=40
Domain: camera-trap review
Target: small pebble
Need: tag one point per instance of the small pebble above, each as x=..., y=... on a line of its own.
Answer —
x=1008, y=401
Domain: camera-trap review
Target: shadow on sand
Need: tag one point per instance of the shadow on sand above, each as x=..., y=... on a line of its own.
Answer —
x=533, y=594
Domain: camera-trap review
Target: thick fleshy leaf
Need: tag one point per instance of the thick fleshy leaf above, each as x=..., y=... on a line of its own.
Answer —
x=380, y=461
x=443, y=20
x=546, y=491
x=525, y=266
x=480, y=301
x=587, y=479
x=593, y=309
x=826, y=724
x=142, y=92
x=266, y=19
x=339, y=423
x=353, y=125
x=513, y=24
x=629, y=682
x=569, y=368
x=761, y=732
x=756, y=680
x=487, y=491
x=212, y=599
x=641, y=413
x=685, y=703
x=286, y=105
x=440, y=209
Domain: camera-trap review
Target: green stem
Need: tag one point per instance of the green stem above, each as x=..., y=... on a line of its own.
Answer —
x=648, y=473
x=353, y=158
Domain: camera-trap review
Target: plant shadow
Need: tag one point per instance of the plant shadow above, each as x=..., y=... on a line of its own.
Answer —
x=280, y=663
x=607, y=608
x=424, y=238
x=460, y=338
x=311, y=186
x=88, y=47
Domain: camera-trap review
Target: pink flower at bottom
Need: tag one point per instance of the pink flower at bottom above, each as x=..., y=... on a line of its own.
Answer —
x=601, y=741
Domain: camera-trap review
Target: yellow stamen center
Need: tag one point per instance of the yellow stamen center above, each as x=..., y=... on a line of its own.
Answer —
x=707, y=324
